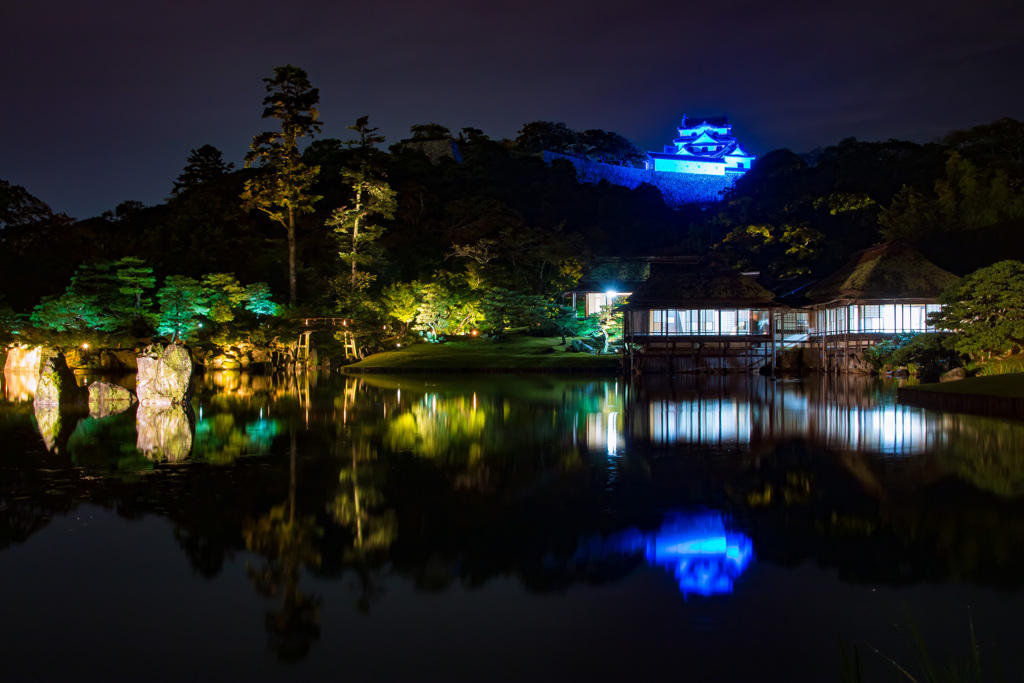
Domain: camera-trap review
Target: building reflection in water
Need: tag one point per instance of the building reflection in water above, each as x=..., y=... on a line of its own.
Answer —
x=717, y=413
x=705, y=556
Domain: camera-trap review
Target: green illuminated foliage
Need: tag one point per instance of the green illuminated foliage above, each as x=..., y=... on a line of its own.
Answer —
x=108, y=296
x=447, y=306
x=503, y=308
x=257, y=300
x=182, y=301
x=986, y=309
x=400, y=301
x=224, y=296
x=372, y=198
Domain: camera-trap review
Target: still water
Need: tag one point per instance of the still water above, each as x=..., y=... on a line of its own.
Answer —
x=508, y=528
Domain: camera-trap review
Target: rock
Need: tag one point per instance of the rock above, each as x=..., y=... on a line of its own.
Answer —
x=164, y=433
x=57, y=385
x=580, y=346
x=953, y=375
x=106, y=399
x=901, y=373
x=165, y=375
x=262, y=355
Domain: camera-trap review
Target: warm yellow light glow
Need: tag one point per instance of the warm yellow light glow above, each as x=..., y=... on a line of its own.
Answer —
x=85, y=346
x=474, y=333
x=398, y=345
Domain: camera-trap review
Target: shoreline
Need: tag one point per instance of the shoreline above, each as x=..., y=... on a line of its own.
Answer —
x=491, y=370
x=1000, y=396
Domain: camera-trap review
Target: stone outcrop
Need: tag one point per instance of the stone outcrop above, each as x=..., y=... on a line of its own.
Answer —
x=107, y=399
x=164, y=376
x=57, y=385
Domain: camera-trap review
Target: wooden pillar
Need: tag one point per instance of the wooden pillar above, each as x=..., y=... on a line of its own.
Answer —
x=846, y=341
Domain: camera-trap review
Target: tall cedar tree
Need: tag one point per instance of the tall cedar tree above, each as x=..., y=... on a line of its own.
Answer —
x=282, y=190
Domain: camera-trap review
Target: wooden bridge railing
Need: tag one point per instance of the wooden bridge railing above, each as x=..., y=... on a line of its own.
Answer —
x=321, y=322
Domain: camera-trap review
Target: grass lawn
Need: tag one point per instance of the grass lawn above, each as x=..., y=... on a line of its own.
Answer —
x=517, y=352
x=1003, y=386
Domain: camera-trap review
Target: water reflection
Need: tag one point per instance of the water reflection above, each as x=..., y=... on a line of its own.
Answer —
x=164, y=433
x=19, y=386
x=705, y=557
x=742, y=413
x=458, y=481
x=844, y=414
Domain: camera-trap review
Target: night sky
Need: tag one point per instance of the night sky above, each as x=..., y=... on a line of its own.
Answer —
x=103, y=99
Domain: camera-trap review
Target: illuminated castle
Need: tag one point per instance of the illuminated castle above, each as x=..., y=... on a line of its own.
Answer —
x=705, y=148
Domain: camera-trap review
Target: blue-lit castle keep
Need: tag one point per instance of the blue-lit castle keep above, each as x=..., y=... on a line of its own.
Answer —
x=697, y=168
x=705, y=148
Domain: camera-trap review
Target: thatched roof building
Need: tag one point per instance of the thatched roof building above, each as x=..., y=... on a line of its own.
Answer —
x=707, y=283
x=893, y=270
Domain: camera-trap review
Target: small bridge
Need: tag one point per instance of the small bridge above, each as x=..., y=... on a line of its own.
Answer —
x=307, y=326
x=320, y=323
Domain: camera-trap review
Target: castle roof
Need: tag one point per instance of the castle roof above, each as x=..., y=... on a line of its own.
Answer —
x=717, y=121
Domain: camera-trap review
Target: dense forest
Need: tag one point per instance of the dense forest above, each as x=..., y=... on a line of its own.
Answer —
x=446, y=229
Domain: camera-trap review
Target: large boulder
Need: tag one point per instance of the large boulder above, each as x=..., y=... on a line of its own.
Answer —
x=57, y=385
x=107, y=399
x=165, y=376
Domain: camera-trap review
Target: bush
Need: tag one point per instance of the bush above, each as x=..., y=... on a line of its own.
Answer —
x=1005, y=366
x=925, y=351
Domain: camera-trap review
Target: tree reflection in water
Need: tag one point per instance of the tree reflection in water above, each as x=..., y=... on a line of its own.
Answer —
x=287, y=542
x=359, y=507
x=461, y=480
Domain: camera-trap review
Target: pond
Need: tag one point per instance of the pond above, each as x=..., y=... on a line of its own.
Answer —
x=491, y=527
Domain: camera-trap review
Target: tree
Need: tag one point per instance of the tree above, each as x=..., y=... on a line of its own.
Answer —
x=367, y=137
x=224, y=295
x=400, y=302
x=539, y=136
x=986, y=310
x=203, y=165
x=608, y=147
x=257, y=300
x=182, y=300
x=282, y=190
x=503, y=308
x=372, y=197
x=134, y=279
x=105, y=296
x=447, y=306
x=429, y=131
x=124, y=211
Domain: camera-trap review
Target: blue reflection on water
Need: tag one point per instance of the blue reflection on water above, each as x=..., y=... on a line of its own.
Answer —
x=705, y=557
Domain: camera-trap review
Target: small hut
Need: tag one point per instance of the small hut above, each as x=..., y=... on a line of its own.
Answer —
x=886, y=290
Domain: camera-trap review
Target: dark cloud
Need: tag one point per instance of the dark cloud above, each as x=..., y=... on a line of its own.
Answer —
x=104, y=99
